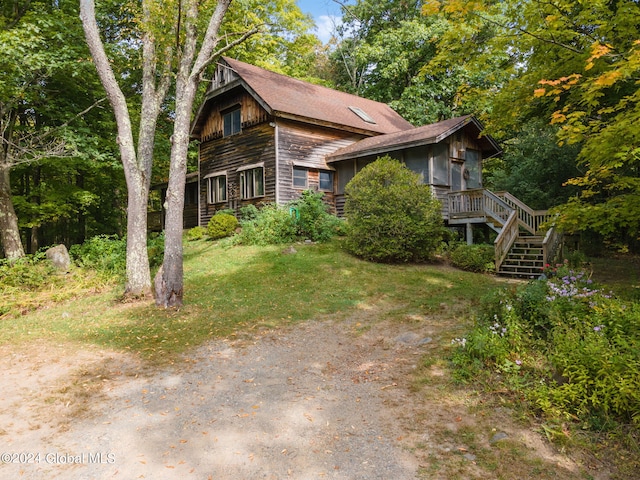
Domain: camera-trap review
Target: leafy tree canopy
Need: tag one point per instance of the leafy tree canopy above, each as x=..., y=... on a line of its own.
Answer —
x=576, y=64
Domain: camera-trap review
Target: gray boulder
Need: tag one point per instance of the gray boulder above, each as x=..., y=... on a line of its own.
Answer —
x=59, y=257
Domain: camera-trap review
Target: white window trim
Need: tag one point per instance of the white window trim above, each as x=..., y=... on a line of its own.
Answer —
x=245, y=169
x=250, y=167
x=212, y=197
x=306, y=177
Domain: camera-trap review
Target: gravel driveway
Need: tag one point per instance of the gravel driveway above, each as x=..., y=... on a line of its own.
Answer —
x=314, y=401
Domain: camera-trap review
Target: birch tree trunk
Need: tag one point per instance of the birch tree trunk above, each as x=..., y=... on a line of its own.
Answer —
x=169, y=283
x=9, y=232
x=137, y=164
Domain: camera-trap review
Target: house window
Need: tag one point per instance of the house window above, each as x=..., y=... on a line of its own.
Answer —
x=252, y=183
x=232, y=122
x=326, y=180
x=217, y=189
x=299, y=177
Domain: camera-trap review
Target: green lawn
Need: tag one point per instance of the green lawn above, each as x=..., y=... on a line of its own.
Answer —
x=233, y=289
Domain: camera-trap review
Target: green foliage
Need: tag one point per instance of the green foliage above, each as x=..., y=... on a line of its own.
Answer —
x=107, y=254
x=599, y=356
x=248, y=213
x=222, y=225
x=196, y=233
x=47, y=81
x=577, y=351
x=391, y=216
x=313, y=218
x=155, y=249
x=271, y=225
x=390, y=53
x=534, y=167
x=30, y=272
x=305, y=218
x=474, y=258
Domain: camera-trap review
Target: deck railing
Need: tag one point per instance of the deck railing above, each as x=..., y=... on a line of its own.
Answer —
x=529, y=219
x=510, y=213
x=478, y=203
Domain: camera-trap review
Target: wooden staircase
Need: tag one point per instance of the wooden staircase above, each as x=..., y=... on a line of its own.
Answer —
x=522, y=247
x=525, y=258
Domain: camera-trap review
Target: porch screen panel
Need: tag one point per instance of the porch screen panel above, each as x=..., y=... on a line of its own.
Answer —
x=417, y=160
x=472, y=164
x=345, y=171
x=441, y=164
x=456, y=176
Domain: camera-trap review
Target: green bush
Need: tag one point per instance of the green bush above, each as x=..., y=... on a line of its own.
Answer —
x=392, y=217
x=313, y=218
x=271, y=225
x=222, y=225
x=474, y=258
x=248, y=213
x=599, y=356
x=196, y=233
x=107, y=254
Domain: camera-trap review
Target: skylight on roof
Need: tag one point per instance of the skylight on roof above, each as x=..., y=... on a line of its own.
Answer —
x=362, y=114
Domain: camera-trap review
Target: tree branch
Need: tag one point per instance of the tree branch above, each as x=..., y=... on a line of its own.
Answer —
x=229, y=46
x=527, y=32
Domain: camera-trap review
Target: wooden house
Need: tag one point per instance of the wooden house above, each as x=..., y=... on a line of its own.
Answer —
x=266, y=137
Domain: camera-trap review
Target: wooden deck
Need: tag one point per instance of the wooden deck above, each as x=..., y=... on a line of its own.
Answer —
x=519, y=228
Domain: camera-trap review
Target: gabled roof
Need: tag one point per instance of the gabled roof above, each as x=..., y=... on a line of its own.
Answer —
x=288, y=97
x=426, y=135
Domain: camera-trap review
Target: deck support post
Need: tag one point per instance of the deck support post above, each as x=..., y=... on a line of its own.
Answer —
x=469, y=234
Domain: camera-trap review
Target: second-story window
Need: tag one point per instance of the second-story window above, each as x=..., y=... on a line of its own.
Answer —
x=232, y=122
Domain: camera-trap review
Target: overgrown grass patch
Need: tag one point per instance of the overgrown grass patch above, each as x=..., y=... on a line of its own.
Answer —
x=564, y=350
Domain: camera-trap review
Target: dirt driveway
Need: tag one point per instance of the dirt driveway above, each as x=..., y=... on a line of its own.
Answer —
x=321, y=400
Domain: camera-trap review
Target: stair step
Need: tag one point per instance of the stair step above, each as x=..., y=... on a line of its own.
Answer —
x=522, y=245
x=526, y=253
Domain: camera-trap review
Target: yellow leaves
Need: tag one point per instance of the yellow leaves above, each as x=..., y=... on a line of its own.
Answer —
x=608, y=78
x=431, y=7
x=598, y=50
x=556, y=87
x=558, y=117
x=455, y=7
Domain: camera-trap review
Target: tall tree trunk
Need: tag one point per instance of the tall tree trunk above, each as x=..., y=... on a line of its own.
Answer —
x=169, y=282
x=9, y=232
x=137, y=165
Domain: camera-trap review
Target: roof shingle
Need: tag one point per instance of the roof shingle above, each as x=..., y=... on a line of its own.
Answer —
x=287, y=96
x=425, y=135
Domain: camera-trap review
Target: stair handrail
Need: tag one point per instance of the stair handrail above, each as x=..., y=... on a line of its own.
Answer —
x=529, y=219
x=491, y=201
x=506, y=238
x=551, y=245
